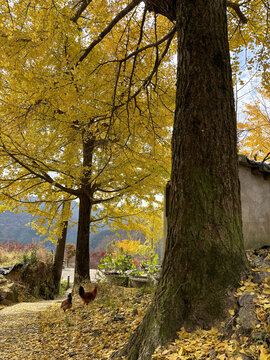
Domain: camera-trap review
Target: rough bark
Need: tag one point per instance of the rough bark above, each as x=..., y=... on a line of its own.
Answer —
x=85, y=207
x=164, y=7
x=82, y=248
x=204, y=254
x=59, y=258
x=60, y=250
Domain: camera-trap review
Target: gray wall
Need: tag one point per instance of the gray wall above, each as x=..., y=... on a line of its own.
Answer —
x=255, y=197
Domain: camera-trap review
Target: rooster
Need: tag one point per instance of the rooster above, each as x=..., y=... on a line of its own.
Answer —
x=87, y=297
x=67, y=304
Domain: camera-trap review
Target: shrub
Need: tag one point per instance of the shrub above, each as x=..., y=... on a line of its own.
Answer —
x=70, y=251
x=10, y=253
x=36, y=274
x=95, y=258
x=121, y=264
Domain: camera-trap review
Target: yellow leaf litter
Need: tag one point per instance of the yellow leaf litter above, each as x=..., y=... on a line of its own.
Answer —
x=96, y=331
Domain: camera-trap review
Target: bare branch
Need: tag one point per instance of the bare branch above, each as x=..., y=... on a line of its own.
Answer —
x=124, y=187
x=166, y=37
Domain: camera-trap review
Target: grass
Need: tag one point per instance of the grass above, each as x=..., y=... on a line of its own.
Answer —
x=12, y=253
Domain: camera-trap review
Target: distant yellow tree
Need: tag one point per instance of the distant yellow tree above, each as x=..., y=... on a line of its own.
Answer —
x=254, y=132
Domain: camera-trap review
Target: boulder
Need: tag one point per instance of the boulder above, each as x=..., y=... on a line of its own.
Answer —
x=8, y=293
x=260, y=276
x=15, y=272
x=247, y=318
x=247, y=299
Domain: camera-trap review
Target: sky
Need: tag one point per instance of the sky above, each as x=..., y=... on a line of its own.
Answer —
x=245, y=93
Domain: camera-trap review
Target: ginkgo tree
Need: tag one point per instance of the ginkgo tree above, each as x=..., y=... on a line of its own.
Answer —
x=81, y=118
x=114, y=58
x=204, y=256
x=255, y=128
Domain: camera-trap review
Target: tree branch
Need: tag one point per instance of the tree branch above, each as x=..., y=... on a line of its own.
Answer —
x=168, y=8
x=124, y=187
x=44, y=176
x=162, y=7
x=236, y=8
x=81, y=9
x=148, y=79
x=101, y=36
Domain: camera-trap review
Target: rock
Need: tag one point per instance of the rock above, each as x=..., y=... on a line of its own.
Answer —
x=247, y=318
x=6, y=302
x=3, y=280
x=260, y=276
x=247, y=299
x=258, y=259
x=7, y=291
x=15, y=272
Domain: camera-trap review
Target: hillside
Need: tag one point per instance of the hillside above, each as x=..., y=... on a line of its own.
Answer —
x=13, y=229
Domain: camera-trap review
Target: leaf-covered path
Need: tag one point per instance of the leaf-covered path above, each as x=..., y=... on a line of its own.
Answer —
x=42, y=331
x=20, y=333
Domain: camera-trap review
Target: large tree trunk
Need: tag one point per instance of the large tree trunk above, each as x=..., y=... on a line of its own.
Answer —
x=60, y=250
x=204, y=255
x=85, y=207
x=82, y=249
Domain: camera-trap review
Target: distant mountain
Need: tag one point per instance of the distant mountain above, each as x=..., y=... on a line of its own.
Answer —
x=13, y=229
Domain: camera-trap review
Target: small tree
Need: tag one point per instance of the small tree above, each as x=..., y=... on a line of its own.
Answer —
x=70, y=252
x=60, y=247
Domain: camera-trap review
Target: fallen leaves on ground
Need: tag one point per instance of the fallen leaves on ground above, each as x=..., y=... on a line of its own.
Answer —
x=98, y=330
x=95, y=331
x=215, y=344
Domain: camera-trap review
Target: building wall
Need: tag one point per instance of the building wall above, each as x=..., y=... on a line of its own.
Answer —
x=255, y=197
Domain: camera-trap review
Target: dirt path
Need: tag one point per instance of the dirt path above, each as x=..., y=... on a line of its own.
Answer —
x=20, y=335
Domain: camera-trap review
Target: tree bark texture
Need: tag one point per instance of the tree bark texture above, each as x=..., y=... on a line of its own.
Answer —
x=60, y=252
x=82, y=248
x=85, y=207
x=204, y=255
x=59, y=257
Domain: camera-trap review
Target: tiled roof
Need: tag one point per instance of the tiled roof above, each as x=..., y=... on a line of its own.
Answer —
x=256, y=166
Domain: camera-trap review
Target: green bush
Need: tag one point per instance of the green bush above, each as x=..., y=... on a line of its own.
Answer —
x=148, y=268
x=120, y=265
x=30, y=258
